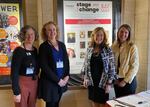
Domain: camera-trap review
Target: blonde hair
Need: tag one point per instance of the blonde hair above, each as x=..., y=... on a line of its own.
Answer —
x=105, y=41
x=126, y=26
x=43, y=32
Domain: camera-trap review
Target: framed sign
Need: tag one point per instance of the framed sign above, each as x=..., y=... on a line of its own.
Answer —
x=77, y=19
x=80, y=19
x=10, y=23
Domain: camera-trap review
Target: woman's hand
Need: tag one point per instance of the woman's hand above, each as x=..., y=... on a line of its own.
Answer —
x=61, y=83
x=85, y=83
x=66, y=79
x=122, y=83
x=108, y=88
x=17, y=98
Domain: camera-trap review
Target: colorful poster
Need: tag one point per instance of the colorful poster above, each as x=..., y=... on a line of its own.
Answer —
x=9, y=28
x=80, y=18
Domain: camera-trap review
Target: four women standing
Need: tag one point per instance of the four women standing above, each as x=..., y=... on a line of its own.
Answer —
x=99, y=67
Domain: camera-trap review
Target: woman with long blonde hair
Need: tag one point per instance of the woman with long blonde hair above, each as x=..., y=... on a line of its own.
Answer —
x=98, y=68
x=127, y=62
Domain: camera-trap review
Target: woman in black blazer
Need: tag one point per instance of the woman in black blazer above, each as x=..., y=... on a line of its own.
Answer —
x=54, y=65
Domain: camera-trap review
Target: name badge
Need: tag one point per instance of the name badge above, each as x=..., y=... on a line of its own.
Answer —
x=59, y=64
x=30, y=70
x=28, y=53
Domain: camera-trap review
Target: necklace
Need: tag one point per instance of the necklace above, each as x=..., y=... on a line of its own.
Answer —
x=96, y=52
x=55, y=45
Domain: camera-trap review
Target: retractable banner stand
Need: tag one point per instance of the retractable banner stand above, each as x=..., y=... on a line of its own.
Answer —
x=10, y=23
x=80, y=18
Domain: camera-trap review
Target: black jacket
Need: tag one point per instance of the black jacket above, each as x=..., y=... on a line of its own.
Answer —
x=20, y=61
x=49, y=89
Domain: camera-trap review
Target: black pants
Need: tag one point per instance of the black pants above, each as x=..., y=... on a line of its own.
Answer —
x=127, y=89
x=54, y=104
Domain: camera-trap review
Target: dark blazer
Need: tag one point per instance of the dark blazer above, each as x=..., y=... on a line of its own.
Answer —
x=49, y=89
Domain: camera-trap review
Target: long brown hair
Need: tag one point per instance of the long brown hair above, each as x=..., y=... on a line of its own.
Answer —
x=97, y=29
x=126, y=26
x=43, y=33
